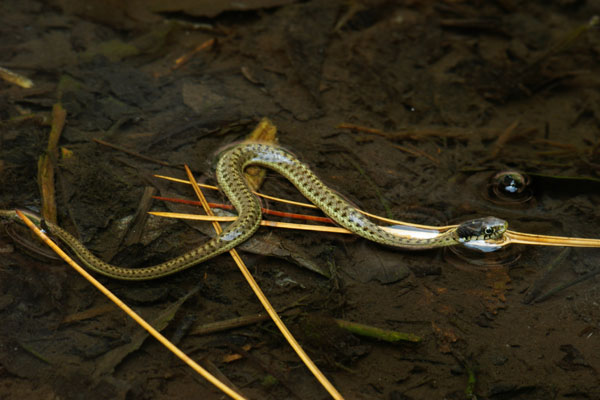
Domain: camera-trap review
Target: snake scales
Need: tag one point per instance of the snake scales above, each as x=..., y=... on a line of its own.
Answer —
x=231, y=179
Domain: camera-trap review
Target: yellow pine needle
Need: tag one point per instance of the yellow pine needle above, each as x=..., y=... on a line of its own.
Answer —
x=163, y=340
x=544, y=240
x=263, y=299
x=509, y=236
x=264, y=196
x=15, y=78
x=273, y=224
x=307, y=205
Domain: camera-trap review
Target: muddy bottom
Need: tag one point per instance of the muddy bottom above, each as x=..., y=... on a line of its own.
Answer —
x=428, y=112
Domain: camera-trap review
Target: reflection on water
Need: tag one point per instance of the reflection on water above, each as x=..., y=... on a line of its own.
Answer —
x=482, y=255
x=476, y=254
x=413, y=232
x=483, y=245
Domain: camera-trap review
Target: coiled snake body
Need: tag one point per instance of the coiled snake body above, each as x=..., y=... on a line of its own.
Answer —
x=232, y=182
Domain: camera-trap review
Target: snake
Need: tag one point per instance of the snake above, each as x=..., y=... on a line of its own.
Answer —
x=230, y=176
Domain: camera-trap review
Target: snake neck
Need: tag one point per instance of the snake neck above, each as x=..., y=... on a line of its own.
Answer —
x=333, y=205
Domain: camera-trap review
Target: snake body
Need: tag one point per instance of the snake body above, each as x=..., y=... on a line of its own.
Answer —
x=232, y=182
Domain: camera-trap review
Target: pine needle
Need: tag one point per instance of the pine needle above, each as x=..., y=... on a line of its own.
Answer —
x=264, y=301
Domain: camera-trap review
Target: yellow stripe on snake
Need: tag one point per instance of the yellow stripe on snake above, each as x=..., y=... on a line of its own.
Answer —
x=231, y=180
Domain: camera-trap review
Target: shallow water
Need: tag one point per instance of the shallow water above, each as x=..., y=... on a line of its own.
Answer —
x=442, y=97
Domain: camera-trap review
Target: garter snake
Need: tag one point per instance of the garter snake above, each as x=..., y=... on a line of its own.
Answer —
x=231, y=180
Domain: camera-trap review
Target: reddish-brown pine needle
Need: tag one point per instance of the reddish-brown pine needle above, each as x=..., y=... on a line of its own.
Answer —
x=264, y=210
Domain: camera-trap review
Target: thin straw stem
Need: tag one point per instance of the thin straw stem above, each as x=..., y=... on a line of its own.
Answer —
x=264, y=301
x=307, y=205
x=545, y=240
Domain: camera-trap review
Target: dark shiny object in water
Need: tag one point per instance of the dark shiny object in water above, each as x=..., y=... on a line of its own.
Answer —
x=508, y=187
x=511, y=182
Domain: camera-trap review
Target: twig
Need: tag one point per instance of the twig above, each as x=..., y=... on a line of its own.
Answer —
x=377, y=333
x=417, y=153
x=135, y=228
x=229, y=324
x=360, y=128
x=47, y=164
x=15, y=78
x=238, y=322
x=181, y=61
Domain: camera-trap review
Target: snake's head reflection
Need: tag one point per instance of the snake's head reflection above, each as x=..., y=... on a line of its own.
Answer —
x=488, y=228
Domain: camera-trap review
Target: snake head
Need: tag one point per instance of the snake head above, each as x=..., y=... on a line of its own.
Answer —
x=491, y=228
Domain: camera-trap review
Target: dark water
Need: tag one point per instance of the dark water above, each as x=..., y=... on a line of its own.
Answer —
x=407, y=109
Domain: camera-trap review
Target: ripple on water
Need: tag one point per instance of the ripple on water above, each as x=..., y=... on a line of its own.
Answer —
x=481, y=255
